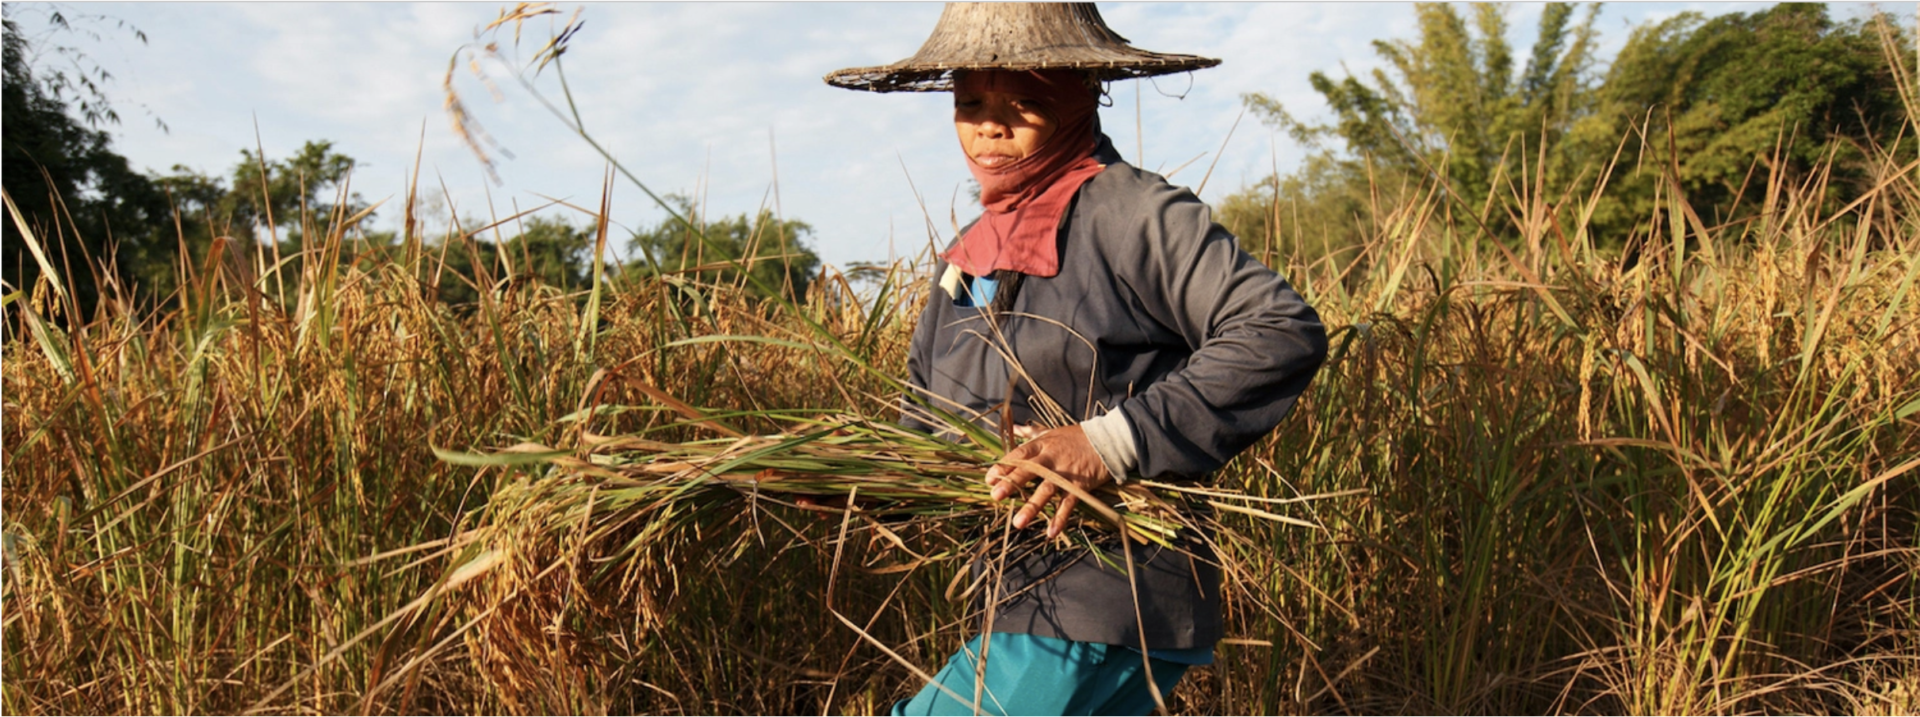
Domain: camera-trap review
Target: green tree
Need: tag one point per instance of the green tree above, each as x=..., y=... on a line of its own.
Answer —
x=774, y=251
x=299, y=194
x=91, y=211
x=197, y=198
x=1453, y=102
x=97, y=218
x=553, y=251
x=66, y=73
x=1707, y=101
x=1317, y=211
x=546, y=251
x=1710, y=100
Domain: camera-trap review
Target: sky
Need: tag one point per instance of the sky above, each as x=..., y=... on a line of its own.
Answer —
x=721, y=101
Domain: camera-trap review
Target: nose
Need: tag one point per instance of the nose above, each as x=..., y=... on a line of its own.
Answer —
x=994, y=126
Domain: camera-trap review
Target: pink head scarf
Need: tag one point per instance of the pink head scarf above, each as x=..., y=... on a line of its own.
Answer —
x=1025, y=199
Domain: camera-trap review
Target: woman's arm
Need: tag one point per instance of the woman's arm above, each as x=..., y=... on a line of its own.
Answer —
x=1256, y=343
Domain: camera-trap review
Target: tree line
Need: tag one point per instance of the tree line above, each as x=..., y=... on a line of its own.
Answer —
x=103, y=223
x=1699, y=107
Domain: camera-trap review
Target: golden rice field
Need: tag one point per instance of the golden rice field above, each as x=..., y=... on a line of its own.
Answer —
x=1534, y=476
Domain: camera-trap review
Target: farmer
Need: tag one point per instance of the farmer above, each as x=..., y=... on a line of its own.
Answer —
x=1095, y=297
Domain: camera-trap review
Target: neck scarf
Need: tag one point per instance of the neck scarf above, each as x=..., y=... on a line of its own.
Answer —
x=1025, y=199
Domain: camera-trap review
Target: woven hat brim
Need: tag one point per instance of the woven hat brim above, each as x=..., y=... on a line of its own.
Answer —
x=910, y=76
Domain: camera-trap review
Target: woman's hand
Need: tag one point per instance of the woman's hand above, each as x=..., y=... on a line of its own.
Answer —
x=1065, y=451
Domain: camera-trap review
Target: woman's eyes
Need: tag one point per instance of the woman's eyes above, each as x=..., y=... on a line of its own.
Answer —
x=1034, y=111
x=1028, y=109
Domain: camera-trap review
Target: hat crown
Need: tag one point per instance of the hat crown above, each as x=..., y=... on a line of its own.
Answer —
x=1015, y=32
x=1016, y=36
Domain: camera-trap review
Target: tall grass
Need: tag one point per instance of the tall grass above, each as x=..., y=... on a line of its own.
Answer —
x=1681, y=483
x=1676, y=478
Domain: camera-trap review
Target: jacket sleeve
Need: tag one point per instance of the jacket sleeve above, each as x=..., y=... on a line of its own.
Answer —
x=1256, y=343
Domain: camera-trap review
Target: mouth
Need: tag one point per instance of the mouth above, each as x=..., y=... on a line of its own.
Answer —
x=994, y=160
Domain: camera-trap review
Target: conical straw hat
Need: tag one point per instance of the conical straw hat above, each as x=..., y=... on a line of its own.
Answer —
x=1016, y=36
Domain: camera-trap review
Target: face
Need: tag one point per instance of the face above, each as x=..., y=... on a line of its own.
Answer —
x=999, y=128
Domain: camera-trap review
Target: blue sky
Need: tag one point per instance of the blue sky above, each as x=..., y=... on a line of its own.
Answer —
x=705, y=99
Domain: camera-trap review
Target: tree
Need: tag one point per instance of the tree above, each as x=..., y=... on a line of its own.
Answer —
x=94, y=214
x=66, y=73
x=303, y=196
x=1704, y=100
x=1711, y=100
x=1314, y=212
x=1453, y=103
x=86, y=205
x=300, y=194
x=547, y=251
x=774, y=251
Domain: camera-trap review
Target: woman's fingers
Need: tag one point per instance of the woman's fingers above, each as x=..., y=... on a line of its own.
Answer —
x=1024, y=451
x=1041, y=495
x=1059, y=522
x=1065, y=451
x=1006, y=479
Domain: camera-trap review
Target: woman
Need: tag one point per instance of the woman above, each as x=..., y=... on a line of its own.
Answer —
x=1096, y=297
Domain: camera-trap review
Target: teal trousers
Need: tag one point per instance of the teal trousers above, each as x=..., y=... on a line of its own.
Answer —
x=1029, y=675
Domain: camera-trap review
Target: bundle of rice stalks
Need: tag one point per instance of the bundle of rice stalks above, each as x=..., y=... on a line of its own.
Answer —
x=890, y=476
x=599, y=537
x=622, y=494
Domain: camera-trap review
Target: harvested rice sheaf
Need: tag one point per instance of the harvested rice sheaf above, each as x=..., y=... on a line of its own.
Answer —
x=893, y=476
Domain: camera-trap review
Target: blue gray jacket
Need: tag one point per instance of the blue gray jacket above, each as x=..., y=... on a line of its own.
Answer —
x=1156, y=314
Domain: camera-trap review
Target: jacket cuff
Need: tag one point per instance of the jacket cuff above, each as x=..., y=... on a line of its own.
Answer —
x=1112, y=437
